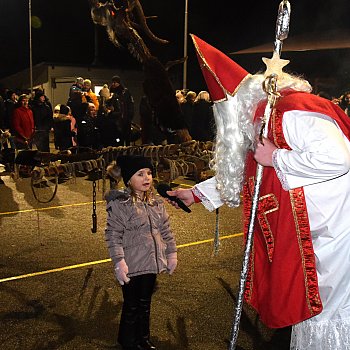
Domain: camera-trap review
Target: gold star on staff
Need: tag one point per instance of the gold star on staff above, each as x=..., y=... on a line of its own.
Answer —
x=274, y=65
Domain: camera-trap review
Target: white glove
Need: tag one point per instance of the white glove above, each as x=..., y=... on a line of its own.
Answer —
x=121, y=270
x=171, y=262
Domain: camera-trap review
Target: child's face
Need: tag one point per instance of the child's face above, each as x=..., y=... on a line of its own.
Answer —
x=142, y=180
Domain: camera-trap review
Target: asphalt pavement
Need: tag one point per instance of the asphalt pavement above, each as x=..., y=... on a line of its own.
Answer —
x=57, y=289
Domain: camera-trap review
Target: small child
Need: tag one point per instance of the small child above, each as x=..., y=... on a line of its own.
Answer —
x=140, y=243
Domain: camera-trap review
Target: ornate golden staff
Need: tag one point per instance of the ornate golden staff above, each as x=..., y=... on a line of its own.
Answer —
x=273, y=71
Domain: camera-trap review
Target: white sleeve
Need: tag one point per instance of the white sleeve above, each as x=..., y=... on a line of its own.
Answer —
x=208, y=194
x=320, y=151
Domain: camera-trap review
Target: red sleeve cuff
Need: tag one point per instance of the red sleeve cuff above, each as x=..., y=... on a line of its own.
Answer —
x=196, y=199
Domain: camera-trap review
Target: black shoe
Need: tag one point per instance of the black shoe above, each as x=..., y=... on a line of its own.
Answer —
x=147, y=345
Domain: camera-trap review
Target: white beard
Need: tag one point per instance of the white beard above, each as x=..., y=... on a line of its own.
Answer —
x=235, y=133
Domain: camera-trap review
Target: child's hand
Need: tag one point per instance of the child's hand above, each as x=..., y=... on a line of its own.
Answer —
x=171, y=262
x=121, y=270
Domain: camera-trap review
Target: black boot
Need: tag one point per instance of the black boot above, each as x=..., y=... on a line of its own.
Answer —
x=144, y=324
x=127, y=335
x=147, y=345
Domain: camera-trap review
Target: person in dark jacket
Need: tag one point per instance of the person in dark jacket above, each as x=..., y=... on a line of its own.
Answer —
x=78, y=98
x=150, y=130
x=121, y=105
x=88, y=133
x=109, y=129
x=7, y=144
x=43, y=121
x=64, y=131
x=203, y=122
x=10, y=105
x=141, y=245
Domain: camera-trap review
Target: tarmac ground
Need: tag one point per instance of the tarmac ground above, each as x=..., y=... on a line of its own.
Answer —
x=57, y=289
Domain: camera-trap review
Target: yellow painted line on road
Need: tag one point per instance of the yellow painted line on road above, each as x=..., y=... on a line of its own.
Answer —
x=48, y=208
x=53, y=270
x=77, y=266
x=209, y=240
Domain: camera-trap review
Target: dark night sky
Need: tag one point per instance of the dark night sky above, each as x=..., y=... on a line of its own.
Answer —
x=67, y=32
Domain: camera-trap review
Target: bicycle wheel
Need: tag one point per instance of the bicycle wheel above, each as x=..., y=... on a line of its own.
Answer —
x=44, y=188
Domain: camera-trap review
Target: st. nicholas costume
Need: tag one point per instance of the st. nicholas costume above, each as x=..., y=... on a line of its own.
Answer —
x=301, y=251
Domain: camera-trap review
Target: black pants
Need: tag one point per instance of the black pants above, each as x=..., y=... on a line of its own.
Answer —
x=134, y=326
x=42, y=140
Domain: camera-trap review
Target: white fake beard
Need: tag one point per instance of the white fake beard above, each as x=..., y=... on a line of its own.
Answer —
x=234, y=136
x=235, y=133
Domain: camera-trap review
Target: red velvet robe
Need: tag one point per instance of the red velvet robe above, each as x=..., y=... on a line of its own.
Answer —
x=282, y=280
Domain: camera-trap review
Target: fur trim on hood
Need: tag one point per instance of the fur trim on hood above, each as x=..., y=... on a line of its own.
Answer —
x=121, y=195
x=61, y=117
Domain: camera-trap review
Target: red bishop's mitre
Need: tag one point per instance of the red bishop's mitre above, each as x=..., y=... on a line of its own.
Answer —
x=221, y=74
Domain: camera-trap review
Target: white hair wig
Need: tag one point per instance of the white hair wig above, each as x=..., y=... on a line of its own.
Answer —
x=235, y=132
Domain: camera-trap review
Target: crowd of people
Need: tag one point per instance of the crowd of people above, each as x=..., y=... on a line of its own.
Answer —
x=29, y=117
x=197, y=112
x=84, y=119
x=96, y=121
x=100, y=121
